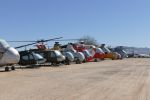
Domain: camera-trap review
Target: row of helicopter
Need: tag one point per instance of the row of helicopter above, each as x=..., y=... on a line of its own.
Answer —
x=59, y=54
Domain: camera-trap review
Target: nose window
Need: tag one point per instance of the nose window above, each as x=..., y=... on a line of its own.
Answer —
x=99, y=50
x=31, y=57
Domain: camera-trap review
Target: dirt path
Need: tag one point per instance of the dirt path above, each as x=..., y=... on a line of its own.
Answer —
x=127, y=79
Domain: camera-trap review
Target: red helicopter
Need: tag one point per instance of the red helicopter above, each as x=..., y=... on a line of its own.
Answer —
x=81, y=48
x=95, y=53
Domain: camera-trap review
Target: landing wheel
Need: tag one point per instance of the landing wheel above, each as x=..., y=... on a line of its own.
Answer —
x=6, y=69
x=84, y=61
x=96, y=60
x=113, y=58
x=12, y=68
x=67, y=61
x=78, y=61
x=55, y=64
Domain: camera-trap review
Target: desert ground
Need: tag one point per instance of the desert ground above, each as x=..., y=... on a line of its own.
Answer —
x=127, y=79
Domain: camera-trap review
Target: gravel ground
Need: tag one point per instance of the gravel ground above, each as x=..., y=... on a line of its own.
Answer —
x=127, y=79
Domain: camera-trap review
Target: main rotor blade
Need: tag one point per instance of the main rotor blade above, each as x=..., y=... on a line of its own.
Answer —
x=21, y=41
x=37, y=42
x=49, y=39
x=24, y=45
x=69, y=40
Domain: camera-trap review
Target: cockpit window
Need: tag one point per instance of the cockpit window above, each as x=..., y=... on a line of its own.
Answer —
x=98, y=50
x=58, y=53
x=86, y=53
x=37, y=56
x=106, y=50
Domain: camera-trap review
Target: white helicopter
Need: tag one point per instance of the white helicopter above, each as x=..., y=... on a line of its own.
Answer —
x=8, y=55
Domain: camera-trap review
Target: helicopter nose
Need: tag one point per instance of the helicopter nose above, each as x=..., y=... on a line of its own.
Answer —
x=13, y=55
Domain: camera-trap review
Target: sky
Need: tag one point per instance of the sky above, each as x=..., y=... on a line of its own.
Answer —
x=114, y=22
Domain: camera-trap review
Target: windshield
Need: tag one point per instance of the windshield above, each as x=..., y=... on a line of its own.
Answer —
x=3, y=44
x=124, y=51
x=58, y=53
x=86, y=53
x=105, y=49
x=98, y=50
x=37, y=56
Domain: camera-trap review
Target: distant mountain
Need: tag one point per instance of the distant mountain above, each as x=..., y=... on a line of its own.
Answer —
x=136, y=50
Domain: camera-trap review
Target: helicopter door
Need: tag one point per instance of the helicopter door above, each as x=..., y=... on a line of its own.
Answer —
x=31, y=59
x=53, y=57
x=27, y=59
x=24, y=60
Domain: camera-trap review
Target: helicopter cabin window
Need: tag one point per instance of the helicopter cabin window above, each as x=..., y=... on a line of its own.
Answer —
x=86, y=53
x=52, y=54
x=58, y=53
x=31, y=57
x=106, y=50
x=42, y=54
x=99, y=50
x=37, y=56
x=25, y=57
